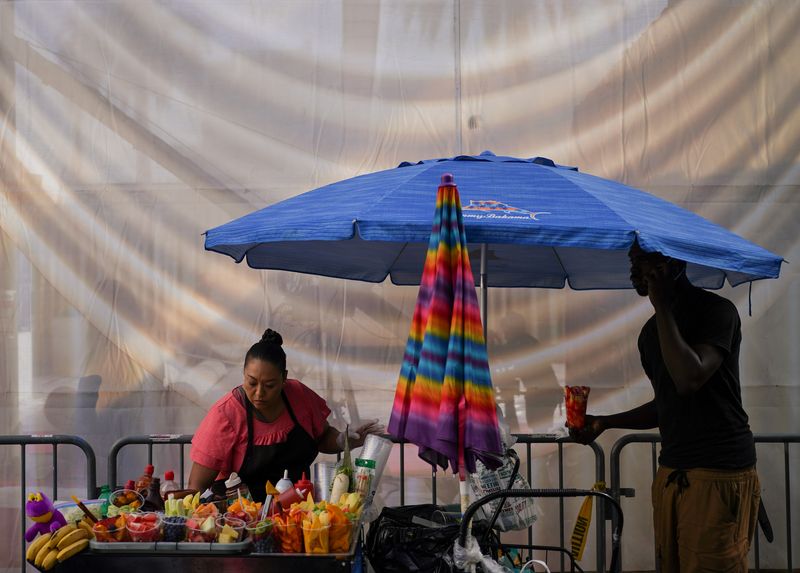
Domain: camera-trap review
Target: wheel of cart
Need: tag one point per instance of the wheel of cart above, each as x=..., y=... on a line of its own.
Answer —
x=467, y=554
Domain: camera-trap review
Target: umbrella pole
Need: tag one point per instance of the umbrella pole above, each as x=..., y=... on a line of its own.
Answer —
x=484, y=292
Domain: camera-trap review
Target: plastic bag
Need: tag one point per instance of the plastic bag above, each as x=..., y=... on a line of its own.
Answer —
x=416, y=538
x=517, y=513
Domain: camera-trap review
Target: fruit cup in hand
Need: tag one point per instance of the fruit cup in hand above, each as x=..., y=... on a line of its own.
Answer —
x=143, y=527
x=201, y=529
x=575, y=398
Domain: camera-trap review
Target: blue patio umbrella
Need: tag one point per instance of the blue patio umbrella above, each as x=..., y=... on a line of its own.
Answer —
x=536, y=224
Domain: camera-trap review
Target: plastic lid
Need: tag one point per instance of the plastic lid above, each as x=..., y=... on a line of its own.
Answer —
x=169, y=475
x=233, y=480
x=130, y=484
x=149, y=469
x=447, y=179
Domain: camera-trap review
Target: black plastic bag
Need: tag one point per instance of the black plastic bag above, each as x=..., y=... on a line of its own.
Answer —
x=417, y=538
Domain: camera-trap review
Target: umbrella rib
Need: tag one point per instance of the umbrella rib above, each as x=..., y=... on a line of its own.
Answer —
x=561, y=264
x=399, y=254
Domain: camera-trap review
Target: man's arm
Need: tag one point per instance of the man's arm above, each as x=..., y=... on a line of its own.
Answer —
x=642, y=417
x=689, y=366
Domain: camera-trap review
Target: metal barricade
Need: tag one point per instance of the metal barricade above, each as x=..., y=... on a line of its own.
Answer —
x=54, y=440
x=181, y=440
x=600, y=475
x=653, y=439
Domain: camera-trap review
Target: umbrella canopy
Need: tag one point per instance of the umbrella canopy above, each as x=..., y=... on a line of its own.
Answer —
x=544, y=225
x=444, y=401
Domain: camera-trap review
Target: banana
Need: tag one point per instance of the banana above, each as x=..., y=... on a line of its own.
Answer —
x=59, y=534
x=87, y=526
x=36, y=545
x=72, y=537
x=71, y=550
x=41, y=554
x=51, y=560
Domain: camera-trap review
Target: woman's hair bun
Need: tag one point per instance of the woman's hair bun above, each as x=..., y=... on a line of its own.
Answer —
x=272, y=337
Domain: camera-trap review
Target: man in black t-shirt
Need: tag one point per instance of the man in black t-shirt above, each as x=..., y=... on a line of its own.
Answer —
x=706, y=492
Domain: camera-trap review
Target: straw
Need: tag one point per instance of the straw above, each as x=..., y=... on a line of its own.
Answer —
x=84, y=509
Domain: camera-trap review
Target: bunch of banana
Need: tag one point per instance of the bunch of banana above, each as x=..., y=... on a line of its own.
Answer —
x=47, y=550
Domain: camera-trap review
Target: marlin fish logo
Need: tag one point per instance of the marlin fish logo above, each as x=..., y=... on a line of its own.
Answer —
x=498, y=207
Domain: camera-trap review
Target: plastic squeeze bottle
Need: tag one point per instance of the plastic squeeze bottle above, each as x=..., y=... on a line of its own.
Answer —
x=288, y=494
x=284, y=483
x=304, y=487
x=169, y=484
x=234, y=487
x=143, y=483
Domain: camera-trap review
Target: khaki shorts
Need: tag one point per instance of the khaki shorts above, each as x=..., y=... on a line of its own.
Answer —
x=706, y=524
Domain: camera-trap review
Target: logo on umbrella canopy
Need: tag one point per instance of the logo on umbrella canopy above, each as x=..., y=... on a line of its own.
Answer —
x=490, y=209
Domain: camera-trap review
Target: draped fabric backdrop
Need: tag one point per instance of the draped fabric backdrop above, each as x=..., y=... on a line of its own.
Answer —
x=128, y=127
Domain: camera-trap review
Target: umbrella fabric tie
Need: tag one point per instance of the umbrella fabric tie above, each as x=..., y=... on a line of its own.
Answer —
x=680, y=479
x=464, y=557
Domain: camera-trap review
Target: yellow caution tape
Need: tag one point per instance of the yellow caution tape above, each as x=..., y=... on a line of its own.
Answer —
x=581, y=530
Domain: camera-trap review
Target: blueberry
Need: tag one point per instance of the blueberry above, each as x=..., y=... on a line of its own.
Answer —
x=174, y=528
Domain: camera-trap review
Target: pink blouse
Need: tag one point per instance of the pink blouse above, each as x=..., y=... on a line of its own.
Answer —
x=221, y=439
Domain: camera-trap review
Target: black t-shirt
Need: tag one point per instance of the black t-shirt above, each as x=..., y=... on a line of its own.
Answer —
x=708, y=429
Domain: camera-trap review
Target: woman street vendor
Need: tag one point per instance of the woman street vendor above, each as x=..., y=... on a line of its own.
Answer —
x=269, y=424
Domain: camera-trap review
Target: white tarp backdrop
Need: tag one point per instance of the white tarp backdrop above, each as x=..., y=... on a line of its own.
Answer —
x=128, y=127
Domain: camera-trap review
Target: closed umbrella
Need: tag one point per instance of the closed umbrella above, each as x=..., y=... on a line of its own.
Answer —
x=444, y=401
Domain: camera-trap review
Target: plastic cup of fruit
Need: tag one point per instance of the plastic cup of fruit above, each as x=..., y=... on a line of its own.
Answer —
x=243, y=515
x=124, y=501
x=174, y=528
x=143, y=527
x=110, y=529
x=201, y=530
x=230, y=529
x=340, y=536
x=261, y=534
x=316, y=537
x=289, y=537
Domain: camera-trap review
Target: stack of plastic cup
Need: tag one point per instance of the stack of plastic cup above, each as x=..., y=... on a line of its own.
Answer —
x=322, y=476
x=377, y=449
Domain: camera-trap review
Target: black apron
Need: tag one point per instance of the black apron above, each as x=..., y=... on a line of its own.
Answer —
x=262, y=463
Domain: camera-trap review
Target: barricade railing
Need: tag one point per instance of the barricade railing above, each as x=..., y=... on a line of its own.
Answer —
x=618, y=491
x=54, y=440
x=525, y=440
x=150, y=440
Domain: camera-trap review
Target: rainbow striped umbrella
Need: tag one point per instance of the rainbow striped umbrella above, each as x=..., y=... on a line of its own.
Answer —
x=444, y=401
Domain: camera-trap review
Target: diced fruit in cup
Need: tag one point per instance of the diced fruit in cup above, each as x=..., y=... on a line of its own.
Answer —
x=201, y=529
x=111, y=529
x=230, y=529
x=143, y=527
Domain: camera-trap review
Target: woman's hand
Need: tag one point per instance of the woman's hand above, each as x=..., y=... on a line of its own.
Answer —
x=359, y=435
